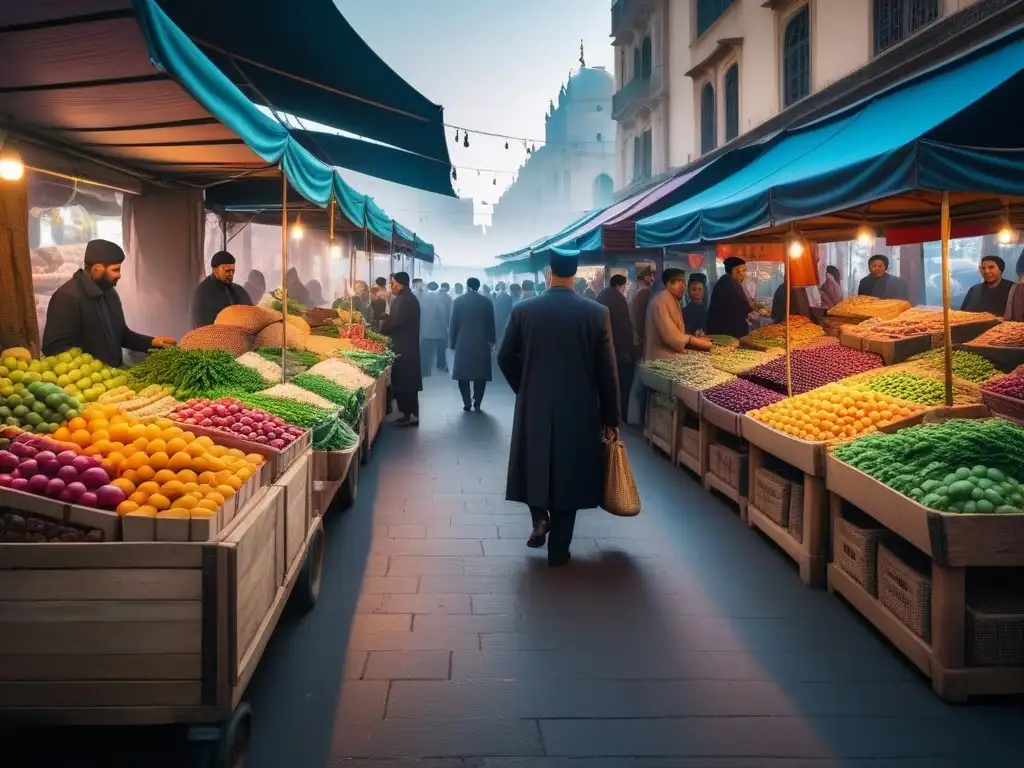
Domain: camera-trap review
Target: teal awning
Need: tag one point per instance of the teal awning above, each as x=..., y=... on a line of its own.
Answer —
x=306, y=60
x=939, y=130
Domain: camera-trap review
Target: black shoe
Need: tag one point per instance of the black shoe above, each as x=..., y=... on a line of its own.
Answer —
x=466, y=407
x=539, y=536
x=476, y=407
x=408, y=422
x=402, y=421
x=559, y=559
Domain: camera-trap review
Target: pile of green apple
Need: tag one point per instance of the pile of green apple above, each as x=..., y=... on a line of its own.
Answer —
x=74, y=372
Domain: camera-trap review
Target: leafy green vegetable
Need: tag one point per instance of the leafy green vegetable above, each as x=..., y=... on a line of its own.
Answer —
x=195, y=372
x=371, y=363
x=351, y=401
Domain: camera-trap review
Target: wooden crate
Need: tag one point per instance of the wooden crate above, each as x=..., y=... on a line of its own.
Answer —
x=953, y=543
x=127, y=633
x=662, y=426
x=297, y=486
x=810, y=553
x=332, y=466
x=277, y=461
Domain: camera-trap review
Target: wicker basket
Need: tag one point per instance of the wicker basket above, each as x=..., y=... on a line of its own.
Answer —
x=772, y=496
x=728, y=465
x=905, y=592
x=691, y=442
x=995, y=629
x=661, y=422
x=796, y=512
x=857, y=553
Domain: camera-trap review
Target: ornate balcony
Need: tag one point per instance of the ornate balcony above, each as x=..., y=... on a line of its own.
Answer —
x=638, y=93
x=627, y=15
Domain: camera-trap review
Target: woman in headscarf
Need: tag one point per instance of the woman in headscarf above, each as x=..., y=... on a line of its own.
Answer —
x=1015, y=301
x=730, y=304
x=831, y=290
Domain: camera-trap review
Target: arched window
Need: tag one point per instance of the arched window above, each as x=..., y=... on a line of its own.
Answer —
x=708, y=123
x=796, y=57
x=604, y=189
x=646, y=58
x=898, y=19
x=732, y=102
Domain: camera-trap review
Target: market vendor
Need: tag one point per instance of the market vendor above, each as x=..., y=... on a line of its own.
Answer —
x=992, y=293
x=730, y=304
x=799, y=304
x=695, y=313
x=217, y=291
x=880, y=283
x=666, y=332
x=86, y=311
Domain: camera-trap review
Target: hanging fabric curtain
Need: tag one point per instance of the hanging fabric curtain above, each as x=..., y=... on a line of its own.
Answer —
x=19, y=326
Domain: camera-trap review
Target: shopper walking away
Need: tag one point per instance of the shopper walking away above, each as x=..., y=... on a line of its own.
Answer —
x=434, y=327
x=528, y=289
x=516, y=292
x=485, y=291
x=666, y=332
x=503, y=302
x=458, y=290
x=403, y=326
x=638, y=306
x=613, y=297
x=473, y=338
x=558, y=357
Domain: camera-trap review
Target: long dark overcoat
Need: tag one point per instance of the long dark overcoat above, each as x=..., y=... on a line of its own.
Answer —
x=557, y=356
x=502, y=309
x=403, y=326
x=472, y=333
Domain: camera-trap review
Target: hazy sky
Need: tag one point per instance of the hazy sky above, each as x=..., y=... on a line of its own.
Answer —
x=492, y=64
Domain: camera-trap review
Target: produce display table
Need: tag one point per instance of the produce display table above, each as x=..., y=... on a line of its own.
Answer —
x=810, y=551
x=688, y=449
x=661, y=424
x=146, y=633
x=953, y=543
x=894, y=351
x=715, y=421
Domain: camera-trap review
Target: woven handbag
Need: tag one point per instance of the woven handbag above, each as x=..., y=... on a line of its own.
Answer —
x=621, y=497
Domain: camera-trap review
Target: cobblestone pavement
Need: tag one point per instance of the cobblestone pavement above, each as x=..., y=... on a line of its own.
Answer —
x=678, y=639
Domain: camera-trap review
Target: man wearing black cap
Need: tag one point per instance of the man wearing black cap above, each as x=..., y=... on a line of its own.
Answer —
x=880, y=283
x=622, y=336
x=992, y=293
x=217, y=291
x=402, y=324
x=730, y=304
x=557, y=356
x=86, y=311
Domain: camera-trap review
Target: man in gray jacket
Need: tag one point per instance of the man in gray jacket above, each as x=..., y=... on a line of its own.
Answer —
x=436, y=313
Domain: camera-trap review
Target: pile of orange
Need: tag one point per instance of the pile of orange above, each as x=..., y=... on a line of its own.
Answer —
x=160, y=467
x=834, y=412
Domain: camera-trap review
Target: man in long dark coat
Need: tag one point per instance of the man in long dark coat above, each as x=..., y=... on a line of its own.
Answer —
x=86, y=311
x=614, y=298
x=558, y=357
x=503, y=302
x=880, y=283
x=472, y=337
x=217, y=291
x=403, y=326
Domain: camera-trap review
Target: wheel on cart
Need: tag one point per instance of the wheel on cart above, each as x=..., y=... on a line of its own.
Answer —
x=346, y=495
x=307, y=587
x=233, y=744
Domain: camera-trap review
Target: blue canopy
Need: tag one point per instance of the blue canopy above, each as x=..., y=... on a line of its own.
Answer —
x=310, y=62
x=908, y=137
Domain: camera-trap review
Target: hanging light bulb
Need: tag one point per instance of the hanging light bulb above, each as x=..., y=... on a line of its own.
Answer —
x=334, y=251
x=1006, y=234
x=456, y=135
x=465, y=139
x=297, y=231
x=866, y=235
x=495, y=181
x=506, y=145
x=11, y=166
x=795, y=247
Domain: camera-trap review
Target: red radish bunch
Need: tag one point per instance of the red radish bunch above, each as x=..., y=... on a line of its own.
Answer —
x=232, y=417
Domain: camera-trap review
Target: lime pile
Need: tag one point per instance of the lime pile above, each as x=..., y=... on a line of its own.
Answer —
x=37, y=407
x=74, y=372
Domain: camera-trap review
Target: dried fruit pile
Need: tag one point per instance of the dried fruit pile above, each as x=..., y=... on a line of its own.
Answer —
x=1010, y=385
x=919, y=321
x=740, y=396
x=689, y=369
x=736, y=360
x=834, y=412
x=800, y=330
x=812, y=368
x=869, y=306
x=919, y=387
x=939, y=465
x=1005, y=334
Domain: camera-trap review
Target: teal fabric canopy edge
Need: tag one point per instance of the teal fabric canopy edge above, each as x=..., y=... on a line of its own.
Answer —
x=537, y=254
x=172, y=52
x=876, y=150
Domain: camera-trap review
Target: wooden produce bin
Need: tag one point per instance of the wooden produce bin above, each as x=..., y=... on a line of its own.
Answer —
x=952, y=543
x=148, y=633
x=688, y=449
x=810, y=552
x=716, y=421
x=277, y=460
x=661, y=426
x=1004, y=358
x=654, y=382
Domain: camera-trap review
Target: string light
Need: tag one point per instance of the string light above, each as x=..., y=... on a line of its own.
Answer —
x=455, y=175
x=465, y=139
x=456, y=135
x=866, y=235
x=12, y=168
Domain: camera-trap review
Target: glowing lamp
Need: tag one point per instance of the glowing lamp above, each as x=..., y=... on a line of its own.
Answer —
x=297, y=231
x=335, y=251
x=1006, y=235
x=866, y=236
x=796, y=248
x=11, y=166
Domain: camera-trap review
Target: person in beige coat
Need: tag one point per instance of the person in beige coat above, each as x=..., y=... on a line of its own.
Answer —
x=666, y=332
